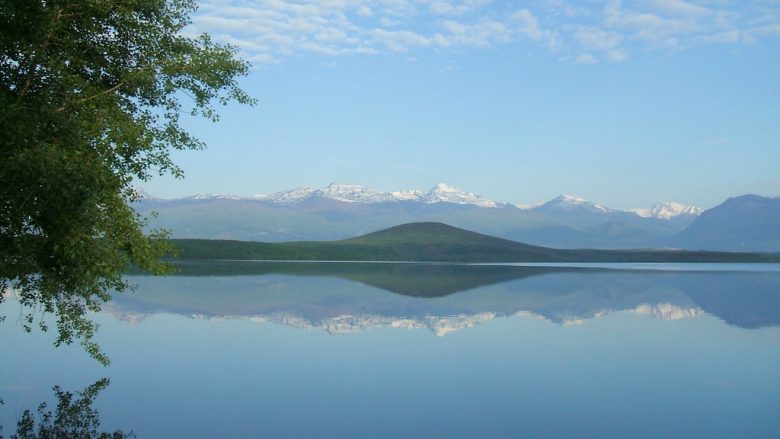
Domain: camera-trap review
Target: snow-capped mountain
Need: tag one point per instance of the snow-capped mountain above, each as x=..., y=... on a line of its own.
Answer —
x=569, y=203
x=411, y=195
x=564, y=222
x=350, y=193
x=292, y=196
x=214, y=197
x=443, y=193
x=529, y=206
x=667, y=211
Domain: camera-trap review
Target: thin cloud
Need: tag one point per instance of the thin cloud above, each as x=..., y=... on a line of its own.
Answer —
x=596, y=38
x=580, y=32
x=648, y=27
x=617, y=55
x=452, y=8
x=527, y=24
x=585, y=58
x=482, y=34
x=399, y=41
x=680, y=8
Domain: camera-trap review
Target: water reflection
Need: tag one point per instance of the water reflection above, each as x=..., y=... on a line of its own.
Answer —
x=344, y=297
x=625, y=374
x=75, y=417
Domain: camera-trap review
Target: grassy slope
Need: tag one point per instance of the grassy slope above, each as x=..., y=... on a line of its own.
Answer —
x=438, y=242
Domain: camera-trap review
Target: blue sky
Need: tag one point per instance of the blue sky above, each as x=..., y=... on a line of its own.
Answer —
x=623, y=103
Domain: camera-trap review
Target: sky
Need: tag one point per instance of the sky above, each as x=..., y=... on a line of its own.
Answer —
x=624, y=103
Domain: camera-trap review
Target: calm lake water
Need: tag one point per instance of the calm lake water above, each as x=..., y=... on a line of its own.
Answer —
x=407, y=350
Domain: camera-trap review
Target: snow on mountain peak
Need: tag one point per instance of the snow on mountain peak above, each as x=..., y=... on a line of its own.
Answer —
x=570, y=203
x=667, y=210
x=444, y=193
x=440, y=193
x=408, y=195
x=347, y=193
x=291, y=196
x=350, y=193
x=213, y=197
x=571, y=199
x=529, y=206
x=444, y=187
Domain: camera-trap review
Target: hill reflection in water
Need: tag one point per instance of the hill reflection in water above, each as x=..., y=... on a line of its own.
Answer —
x=346, y=297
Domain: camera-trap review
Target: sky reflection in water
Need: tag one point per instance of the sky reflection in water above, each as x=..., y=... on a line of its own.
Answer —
x=533, y=351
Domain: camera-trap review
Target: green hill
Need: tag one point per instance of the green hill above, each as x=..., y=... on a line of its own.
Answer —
x=432, y=233
x=437, y=242
x=441, y=242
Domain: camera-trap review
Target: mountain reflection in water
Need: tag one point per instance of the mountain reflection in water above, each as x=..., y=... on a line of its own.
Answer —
x=627, y=374
x=347, y=297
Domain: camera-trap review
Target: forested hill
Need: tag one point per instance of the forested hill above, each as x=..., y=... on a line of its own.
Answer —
x=437, y=242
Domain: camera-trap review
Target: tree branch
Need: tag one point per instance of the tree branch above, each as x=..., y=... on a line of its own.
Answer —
x=95, y=96
x=31, y=70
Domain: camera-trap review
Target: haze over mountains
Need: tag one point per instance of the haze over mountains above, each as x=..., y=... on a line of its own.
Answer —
x=338, y=211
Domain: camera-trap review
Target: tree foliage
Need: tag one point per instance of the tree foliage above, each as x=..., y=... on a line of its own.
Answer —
x=91, y=98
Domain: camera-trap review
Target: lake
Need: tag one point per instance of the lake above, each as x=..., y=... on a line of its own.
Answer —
x=291, y=350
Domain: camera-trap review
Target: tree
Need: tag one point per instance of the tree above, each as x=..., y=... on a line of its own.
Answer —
x=91, y=97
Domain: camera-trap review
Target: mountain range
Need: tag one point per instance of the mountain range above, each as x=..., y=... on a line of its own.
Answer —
x=339, y=211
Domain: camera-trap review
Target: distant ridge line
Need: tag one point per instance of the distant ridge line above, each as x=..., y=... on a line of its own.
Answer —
x=440, y=193
x=439, y=242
